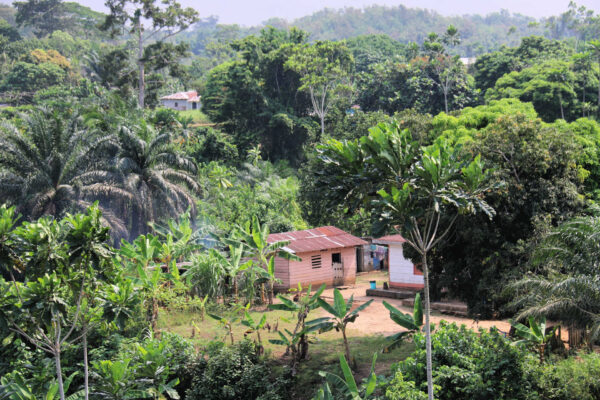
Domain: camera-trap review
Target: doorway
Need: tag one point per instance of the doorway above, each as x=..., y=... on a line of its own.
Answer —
x=338, y=269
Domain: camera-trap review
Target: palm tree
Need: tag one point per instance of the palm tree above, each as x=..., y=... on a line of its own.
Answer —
x=161, y=180
x=566, y=287
x=56, y=165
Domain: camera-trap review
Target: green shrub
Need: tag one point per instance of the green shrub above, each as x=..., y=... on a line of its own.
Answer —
x=466, y=365
x=572, y=378
x=400, y=389
x=236, y=373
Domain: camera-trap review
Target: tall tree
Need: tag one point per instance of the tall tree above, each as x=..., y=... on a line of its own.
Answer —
x=152, y=24
x=416, y=188
x=45, y=16
x=325, y=69
x=594, y=46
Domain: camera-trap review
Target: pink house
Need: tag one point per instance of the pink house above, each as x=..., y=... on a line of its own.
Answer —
x=328, y=256
x=403, y=273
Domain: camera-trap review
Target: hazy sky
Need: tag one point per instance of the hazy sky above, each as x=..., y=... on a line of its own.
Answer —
x=252, y=12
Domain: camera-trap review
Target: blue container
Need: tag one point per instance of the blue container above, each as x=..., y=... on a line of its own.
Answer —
x=373, y=284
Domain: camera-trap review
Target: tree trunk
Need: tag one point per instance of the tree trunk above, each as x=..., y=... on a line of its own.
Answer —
x=270, y=294
x=598, y=110
x=427, y=327
x=445, y=100
x=347, y=347
x=86, y=386
x=583, y=101
x=322, y=127
x=263, y=300
x=562, y=111
x=154, y=315
x=141, y=82
x=61, y=388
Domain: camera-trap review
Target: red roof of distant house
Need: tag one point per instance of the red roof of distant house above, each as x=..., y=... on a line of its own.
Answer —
x=188, y=96
x=325, y=237
x=390, y=239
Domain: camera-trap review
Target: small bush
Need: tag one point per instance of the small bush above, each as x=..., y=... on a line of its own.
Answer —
x=235, y=372
x=572, y=378
x=466, y=365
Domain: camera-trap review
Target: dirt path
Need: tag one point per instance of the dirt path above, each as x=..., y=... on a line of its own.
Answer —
x=375, y=319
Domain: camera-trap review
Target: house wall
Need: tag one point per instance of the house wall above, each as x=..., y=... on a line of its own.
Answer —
x=190, y=105
x=182, y=105
x=303, y=272
x=403, y=274
x=282, y=271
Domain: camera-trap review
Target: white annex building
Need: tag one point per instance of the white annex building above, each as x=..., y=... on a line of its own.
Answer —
x=403, y=273
x=182, y=101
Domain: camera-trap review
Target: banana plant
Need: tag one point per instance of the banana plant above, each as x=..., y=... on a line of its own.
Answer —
x=342, y=315
x=255, y=238
x=255, y=327
x=346, y=385
x=201, y=305
x=151, y=283
x=183, y=239
x=413, y=323
x=297, y=341
x=535, y=335
x=228, y=322
x=232, y=266
x=144, y=251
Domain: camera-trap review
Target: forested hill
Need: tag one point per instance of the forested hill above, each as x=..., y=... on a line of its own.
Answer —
x=479, y=34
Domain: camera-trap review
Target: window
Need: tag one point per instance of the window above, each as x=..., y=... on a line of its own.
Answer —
x=416, y=270
x=336, y=258
x=315, y=261
x=176, y=104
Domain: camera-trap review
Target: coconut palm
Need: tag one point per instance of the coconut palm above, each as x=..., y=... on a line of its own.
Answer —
x=55, y=165
x=162, y=180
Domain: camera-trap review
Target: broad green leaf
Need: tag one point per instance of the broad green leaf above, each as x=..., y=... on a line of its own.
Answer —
x=348, y=375
x=339, y=303
x=418, y=311
x=361, y=307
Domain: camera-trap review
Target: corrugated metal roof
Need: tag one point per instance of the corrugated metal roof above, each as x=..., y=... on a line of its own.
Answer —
x=322, y=238
x=190, y=96
x=390, y=239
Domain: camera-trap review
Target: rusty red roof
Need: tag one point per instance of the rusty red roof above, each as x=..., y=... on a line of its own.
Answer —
x=390, y=239
x=322, y=238
x=189, y=96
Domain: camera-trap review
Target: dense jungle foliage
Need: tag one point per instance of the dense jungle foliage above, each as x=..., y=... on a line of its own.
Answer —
x=119, y=216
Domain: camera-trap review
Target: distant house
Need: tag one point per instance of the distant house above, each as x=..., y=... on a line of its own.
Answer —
x=403, y=273
x=328, y=256
x=468, y=61
x=182, y=101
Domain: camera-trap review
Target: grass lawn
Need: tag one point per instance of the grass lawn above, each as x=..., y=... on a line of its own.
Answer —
x=323, y=352
x=198, y=117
